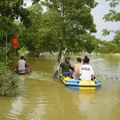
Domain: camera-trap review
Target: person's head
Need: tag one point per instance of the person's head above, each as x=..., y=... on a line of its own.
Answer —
x=86, y=61
x=86, y=57
x=67, y=59
x=22, y=57
x=79, y=60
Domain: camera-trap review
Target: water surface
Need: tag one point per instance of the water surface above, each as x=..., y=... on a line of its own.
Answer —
x=46, y=99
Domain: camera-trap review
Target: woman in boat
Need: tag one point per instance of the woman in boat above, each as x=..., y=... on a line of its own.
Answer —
x=86, y=70
x=66, y=67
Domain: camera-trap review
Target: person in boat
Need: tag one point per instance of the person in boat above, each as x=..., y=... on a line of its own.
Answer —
x=67, y=69
x=22, y=64
x=86, y=70
x=76, y=69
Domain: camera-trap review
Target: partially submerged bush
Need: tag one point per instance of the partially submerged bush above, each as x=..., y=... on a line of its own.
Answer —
x=8, y=80
x=8, y=83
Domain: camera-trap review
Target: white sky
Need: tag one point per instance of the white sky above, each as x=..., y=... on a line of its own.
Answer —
x=98, y=13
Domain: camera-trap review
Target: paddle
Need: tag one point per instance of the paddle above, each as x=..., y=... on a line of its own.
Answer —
x=56, y=72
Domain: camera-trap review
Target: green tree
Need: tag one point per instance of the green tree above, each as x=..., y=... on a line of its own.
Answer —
x=112, y=16
x=111, y=47
x=14, y=10
x=107, y=47
x=30, y=35
x=89, y=42
x=74, y=19
x=116, y=40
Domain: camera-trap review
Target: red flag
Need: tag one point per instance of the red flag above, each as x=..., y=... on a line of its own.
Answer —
x=14, y=41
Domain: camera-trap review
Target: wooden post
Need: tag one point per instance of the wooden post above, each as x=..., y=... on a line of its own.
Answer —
x=6, y=50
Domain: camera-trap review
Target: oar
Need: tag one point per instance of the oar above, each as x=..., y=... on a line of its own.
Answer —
x=56, y=72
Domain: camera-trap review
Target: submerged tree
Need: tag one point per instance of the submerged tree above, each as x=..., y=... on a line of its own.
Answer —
x=75, y=19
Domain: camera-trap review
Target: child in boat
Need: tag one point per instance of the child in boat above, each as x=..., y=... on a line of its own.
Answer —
x=86, y=70
x=76, y=68
x=66, y=67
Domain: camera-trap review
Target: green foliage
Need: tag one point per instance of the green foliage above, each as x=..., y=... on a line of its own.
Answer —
x=89, y=42
x=11, y=14
x=116, y=40
x=105, y=32
x=111, y=47
x=50, y=32
x=8, y=81
x=107, y=47
x=22, y=51
x=75, y=19
x=113, y=15
x=8, y=27
x=30, y=36
x=59, y=26
x=2, y=58
x=14, y=10
x=113, y=3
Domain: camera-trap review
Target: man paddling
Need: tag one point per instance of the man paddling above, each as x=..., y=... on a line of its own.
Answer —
x=66, y=67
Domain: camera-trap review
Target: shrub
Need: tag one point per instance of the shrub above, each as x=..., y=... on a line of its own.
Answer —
x=8, y=83
x=8, y=80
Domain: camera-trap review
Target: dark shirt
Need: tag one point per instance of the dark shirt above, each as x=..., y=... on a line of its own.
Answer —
x=66, y=67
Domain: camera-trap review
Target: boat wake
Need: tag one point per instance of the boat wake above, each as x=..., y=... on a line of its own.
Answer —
x=42, y=76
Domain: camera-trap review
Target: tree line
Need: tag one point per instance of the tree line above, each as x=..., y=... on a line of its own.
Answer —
x=52, y=25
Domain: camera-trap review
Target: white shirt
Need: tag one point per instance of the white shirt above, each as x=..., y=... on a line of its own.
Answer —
x=21, y=64
x=86, y=71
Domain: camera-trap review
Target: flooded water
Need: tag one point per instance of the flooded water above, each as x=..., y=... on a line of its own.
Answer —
x=46, y=99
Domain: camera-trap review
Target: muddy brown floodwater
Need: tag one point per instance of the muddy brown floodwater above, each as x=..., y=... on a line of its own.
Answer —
x=46, y=99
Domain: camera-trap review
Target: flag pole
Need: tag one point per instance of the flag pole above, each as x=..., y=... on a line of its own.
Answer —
x=6, y=50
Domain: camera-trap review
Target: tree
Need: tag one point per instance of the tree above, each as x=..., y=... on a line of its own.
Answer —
x=116, y=40
x=14, y=10
x=30, y=35
x=11, y=14
x=112, y=16
x=107, y=47
x=50, y=32
x=74, y=19
x=89, y=42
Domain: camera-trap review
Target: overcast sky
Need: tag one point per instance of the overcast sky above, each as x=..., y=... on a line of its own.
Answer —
x=98, y=13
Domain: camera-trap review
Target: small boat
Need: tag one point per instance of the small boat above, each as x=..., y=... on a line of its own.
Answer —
x=80, y=84
x=27, y=70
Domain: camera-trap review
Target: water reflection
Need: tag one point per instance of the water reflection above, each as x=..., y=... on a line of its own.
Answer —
x=37, y=112
x=17, y=107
